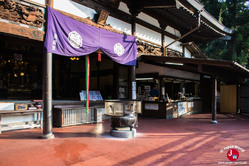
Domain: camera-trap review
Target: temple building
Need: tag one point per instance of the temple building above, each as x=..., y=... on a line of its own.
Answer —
x=167, y=59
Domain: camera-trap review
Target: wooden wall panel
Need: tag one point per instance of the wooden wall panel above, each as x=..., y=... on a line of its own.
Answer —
x=228, y=98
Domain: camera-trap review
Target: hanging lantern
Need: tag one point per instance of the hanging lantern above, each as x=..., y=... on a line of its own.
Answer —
x=99, y=55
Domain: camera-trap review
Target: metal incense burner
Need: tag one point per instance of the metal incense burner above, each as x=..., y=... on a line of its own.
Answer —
x=123, y=117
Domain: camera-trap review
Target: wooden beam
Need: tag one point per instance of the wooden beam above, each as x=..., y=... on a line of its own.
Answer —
x=155, y=6
x=159, y=4
x=22, y=31
x=34, y=3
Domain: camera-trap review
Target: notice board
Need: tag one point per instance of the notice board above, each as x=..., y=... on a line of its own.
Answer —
x=93, y=95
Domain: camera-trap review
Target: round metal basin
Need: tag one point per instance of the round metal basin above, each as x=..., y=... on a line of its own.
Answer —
x=127, y=120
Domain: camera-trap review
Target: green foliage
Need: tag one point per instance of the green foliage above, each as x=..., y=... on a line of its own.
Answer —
x=235, y=15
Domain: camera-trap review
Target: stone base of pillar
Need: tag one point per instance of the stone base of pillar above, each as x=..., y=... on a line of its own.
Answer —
x=48, y=136
x=214, y=121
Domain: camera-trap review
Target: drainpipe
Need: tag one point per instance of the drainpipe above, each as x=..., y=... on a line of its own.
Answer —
x=186, y=34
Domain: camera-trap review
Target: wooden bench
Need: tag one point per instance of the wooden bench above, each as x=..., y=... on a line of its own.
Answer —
x=22, y=112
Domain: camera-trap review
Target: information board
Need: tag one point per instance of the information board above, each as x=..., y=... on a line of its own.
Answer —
x=93, y=95
x=182, y=108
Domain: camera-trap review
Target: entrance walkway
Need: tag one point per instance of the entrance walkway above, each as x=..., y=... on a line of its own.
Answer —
x=189, y=140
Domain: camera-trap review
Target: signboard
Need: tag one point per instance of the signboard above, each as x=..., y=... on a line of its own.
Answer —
x=7, y=106
x=93, y=95
x=151, y=106
x=190, y=104
x=134, y=93
x=182, y=108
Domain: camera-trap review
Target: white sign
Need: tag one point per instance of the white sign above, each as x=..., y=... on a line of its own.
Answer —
x=182, y=108
x=7, y=106
x=134, y=91
x=93, y=95
x=151, y=106
x=190, y=104
x=163, y=91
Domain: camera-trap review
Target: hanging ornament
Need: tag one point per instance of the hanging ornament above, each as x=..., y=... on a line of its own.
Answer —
x=99, y=55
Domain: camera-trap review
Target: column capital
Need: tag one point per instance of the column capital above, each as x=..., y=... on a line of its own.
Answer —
x=162, y=25
x=135, y=8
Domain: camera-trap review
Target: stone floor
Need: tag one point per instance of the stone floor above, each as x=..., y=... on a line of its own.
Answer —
x=188, y=140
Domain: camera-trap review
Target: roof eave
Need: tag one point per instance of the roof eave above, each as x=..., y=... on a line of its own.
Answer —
x=213, y=22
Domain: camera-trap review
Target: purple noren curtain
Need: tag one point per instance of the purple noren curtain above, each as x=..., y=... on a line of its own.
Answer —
x=69, y=37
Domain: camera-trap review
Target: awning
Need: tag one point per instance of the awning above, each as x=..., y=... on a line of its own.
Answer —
x=228, y=70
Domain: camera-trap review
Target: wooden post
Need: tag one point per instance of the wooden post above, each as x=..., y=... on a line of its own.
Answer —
x=98, y=75
x=214, y=99
x=163, y=27
x=47, y=92
x=163, y=44
x=0, y=124
x=183, y=51
x=87, y=81
x=47, y=96
x=57, y=78
x=133, y=68
x=116, y=77
x=134, y=8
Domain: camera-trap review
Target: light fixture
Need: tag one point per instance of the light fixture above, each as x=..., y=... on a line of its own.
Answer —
x=74, y=58
x=172, y=63
x=22, y=74
x=140, y=79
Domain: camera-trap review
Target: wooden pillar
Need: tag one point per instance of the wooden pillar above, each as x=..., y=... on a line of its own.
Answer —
x=50, y=3
x=98, y=76
x=214, y=99
x=57, y=78
x=163, y=27
x=133, y=68
x=47, y=92
x=134, y=8
x=183, y=51
x=116, y=80
x=47, y=96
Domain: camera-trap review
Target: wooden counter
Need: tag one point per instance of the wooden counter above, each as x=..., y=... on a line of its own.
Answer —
x=22, y=112
x=157, y=109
